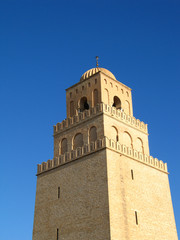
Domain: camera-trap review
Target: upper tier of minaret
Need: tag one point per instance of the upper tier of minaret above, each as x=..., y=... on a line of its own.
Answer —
x=98, y=85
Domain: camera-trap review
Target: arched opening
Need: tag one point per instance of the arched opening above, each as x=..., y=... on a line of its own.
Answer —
x=84, y=104
x=64, y=146
x=72, y=110
x=117, y=103
x=92, y=134
x=127, y=140
x=139, y=145
x=127, y=107
x=95, y=97
x=114, y=134
x=78, y=140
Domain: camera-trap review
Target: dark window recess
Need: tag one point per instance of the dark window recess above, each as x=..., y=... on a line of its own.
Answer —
x=132, y=174
x=86, y=105
x=117, y=103
x=58, y=192
x=83, y=104
x=57, y=234
x=136, y=217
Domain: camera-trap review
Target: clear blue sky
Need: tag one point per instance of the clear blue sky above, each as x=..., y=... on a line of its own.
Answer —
x=45, y=47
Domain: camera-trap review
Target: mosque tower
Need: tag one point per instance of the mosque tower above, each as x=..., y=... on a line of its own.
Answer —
x=102, y=184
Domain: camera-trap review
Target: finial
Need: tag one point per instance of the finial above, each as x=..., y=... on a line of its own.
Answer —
x=97, y=61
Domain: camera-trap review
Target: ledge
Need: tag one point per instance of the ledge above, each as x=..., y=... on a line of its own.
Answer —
x=99, y=145
x=100, y=108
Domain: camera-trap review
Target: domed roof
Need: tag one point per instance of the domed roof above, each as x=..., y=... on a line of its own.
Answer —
x=92, y=71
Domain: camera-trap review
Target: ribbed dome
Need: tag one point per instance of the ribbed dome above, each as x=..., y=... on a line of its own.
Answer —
x=92, y=71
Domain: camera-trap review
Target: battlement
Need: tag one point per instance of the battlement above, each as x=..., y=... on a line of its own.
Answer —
x=100, y=108
x=99, y=145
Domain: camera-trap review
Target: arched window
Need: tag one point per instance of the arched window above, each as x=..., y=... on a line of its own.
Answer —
x=139, y=145
x=95, y=97
x=117, y=103
x=92, y=134
x=83, y=104
x=64, y=146
x=114, y=134
x=106, y=96
x=72, y=110
x=78, y=141
x=127, y=139
x=127, y=107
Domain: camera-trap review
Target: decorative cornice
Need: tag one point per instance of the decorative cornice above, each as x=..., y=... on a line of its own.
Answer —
x=100, y=108
x=97, y=146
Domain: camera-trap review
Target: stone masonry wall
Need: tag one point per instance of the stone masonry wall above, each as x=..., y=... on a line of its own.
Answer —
x=147, y=193
x=82, y=211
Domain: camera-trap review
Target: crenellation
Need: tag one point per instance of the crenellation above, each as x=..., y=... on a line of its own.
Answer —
x=97, y=145
x=100, y=108
x=120, y=115
x=149, y=160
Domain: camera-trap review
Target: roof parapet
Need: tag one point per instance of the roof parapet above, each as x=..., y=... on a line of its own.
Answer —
x=98, y=109
x=99, y=145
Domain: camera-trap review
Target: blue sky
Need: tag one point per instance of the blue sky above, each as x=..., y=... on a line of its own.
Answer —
x=45, y=47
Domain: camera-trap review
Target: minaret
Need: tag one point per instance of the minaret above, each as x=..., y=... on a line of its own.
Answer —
x=102, y=184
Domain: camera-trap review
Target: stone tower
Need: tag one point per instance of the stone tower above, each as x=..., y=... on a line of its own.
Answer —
x=102, y=184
